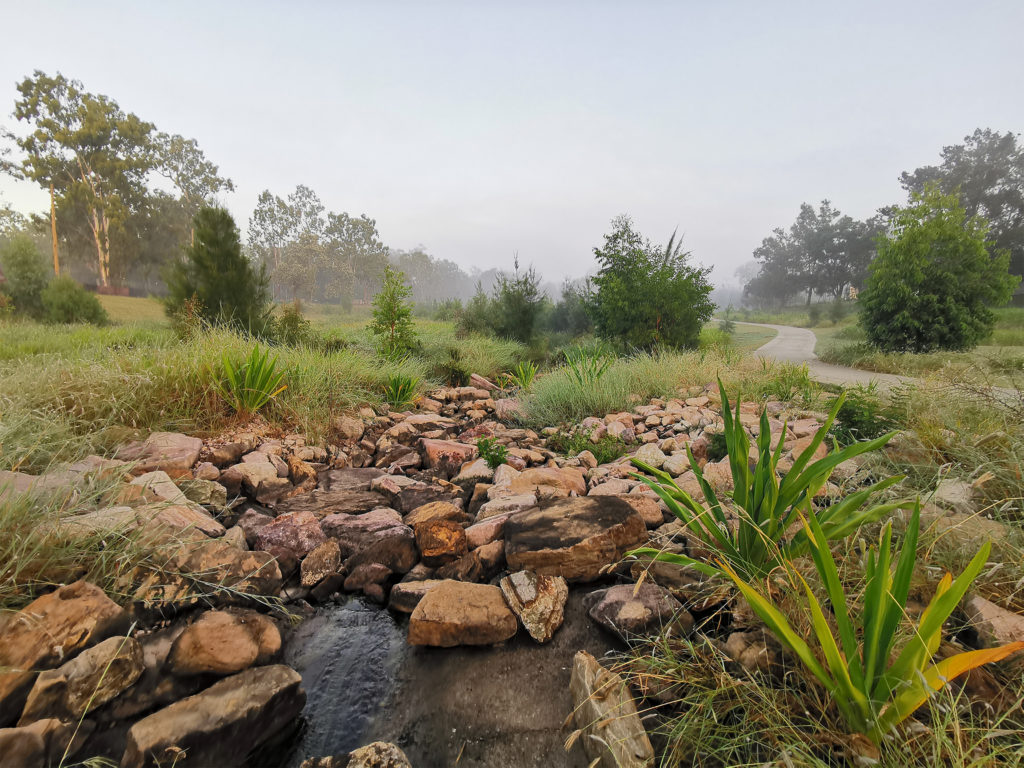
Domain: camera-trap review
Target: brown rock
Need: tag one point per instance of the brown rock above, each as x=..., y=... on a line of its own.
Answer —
x=379, y=536
x=171, y=452
x=446, y=456
x=459, y=613
x=486, y=531
x=51, y=629
x=630, y=610
x=349, y=428
x=436, y=510
x=406, y=595
x=995, y=625
x=379, y=754
x=440, y=542
x=369, y=578
x=647, y=506
x=574, y=538
x=538, y=601
x=320, y=563
x=223, y=643
x=549, y=482
x=296, y=532
x=42, y=743
x=221, y=725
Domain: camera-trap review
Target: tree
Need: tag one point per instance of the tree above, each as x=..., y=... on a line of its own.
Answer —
x=987, y=171
x=94, y=154
x=66, y=301
x=570, y=313
x=935, y=279
x=214, y=271
x=26, y=274
x=182, y=162
x=392, y=315
x=646, y=295
x=517, y=304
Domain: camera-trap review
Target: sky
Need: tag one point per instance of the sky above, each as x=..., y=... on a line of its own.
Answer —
x=481, y=130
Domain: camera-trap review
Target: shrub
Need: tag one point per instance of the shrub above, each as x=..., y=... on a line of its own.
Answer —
x=476, y=316
x=727, y=325
x=452, y=370
x=861, y=416
x=570, y=314
x=874, y=688
x=586, y=365
x=836, y=311
x=26, y=275
x=766, y=506
x=65, y=301
x=392, y=315
x=646, y=295
x=250, y=385
x=522, y=375
x=491, y=451
x=292, y=328
x=400, y=390
x=814, y=315
x=448, y=310
x=606, y=450
x=230, y=292
x=517, y=304
x=718, y=446
x=933, y=283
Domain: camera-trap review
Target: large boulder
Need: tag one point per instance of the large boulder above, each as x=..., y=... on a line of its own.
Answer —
x=170, y=452
x=549, y=482
x=42, y=743
x=379, y=536
x=631, y=610
x=446, y=456
x=223, y=643
x=220, y=726
x=538, y=601
x=460, y=613
x=51, y=629
x=87, y=682
x=612, y=734
x=574, y=538
x=297, y=533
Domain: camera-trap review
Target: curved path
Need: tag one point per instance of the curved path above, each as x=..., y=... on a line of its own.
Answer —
x=796, y=345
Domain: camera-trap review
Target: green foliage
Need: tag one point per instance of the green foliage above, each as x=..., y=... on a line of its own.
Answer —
x=447, y=310
x=400, y=390
x=645, y=295
x=292, y=328
x=491, y=451
x=26, y=275
x=392, y=324
x=476, y=316
x=837, y=311
x=814, y=315
x=727, y=325
x=718, y=446
x=522, y=375
x=766, y=506
x=586, y=365
x=862, y=416
x=570, y=315
x=517, y=304
x=229, y=290
x=934, y=281
x=606, y=450
x=452, y=369
x=65, y=301
x=874, y=688
x=249, y=385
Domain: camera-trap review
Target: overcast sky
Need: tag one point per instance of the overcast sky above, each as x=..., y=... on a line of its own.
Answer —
x=481, y=129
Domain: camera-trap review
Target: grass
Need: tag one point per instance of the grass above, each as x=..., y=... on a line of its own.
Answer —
x=131, y=309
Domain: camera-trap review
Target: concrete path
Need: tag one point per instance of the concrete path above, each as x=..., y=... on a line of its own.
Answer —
x=796, y=345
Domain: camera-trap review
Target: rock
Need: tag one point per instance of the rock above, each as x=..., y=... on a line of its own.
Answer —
x=435, y=510
x=223, y=455
x=573, y=538
x=379, y=754
x=218, y=563
x=369, y=578
x=235, y=536
x=971, y=531
x=619, y=430
x=486, y=531
x=250, y=475
x=647, y=506
x=802, y=444
x=85, y=683
x=223, y=643
x=320, y=563
x=508, y=409
x=405, y=494
x=459, y=613
x=180, y=517
x=506, y=505
x=954, y=494
x=446, y=456
x=440, y=542
x=616, y=486
x=755, y=651
x=549, y=482
x=478, y=471
x=676, y=464
x=538, y=601
x=613, y=736
x=252, y=522
x=206, y=492
x=349, y=428
x=379, y=536
x=631, y=610
x=995, y=625
x=406, y=595
x=159, y=484
x=170, y=452
x=206, y=471
x=651, y=454
x=221, y=725
x=48, y=631
x=297, y=533
x=42, y=743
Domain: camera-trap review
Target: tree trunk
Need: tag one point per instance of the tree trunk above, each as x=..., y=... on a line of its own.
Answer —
x=53, y=233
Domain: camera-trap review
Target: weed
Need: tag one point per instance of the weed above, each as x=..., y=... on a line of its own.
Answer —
x=491, y=451
x=718, y=446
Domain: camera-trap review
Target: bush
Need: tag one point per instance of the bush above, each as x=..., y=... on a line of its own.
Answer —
x=400, y=390
x=250, y=385
x=522, y=375
x=392, y=316
x=836, y=311
x=216, y=273
x=718, y=446
x=447, y=310
x=491, y=451
x=934, y=282
x=645, y=295
x=727, y=325
x=476, y=316
x=452, y=370
x=607, y=448
x=862, y=416
x=65, y=301
x=292, y=328
x=814, y=315
x=26, y=275
x=517, y=304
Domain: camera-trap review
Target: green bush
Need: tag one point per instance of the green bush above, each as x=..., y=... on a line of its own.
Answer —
x=392, y=316
x=26, y=275
x=65, y=301
x=522, y=375
x=934, y=282
x=718, y=446
x=862, y=416
x=836, y=311
x=491, y=451
x=814, y=315
x=452, y=369
x=400, y=390
x=230, y=292
x=250, y=385
x=293, y=329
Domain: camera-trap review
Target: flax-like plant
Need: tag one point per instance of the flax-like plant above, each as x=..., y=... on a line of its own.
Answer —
x=250, y=385
x=587, y=366
x=766, y=507
x=400, y=390
x=873, y=688
x=522, y=375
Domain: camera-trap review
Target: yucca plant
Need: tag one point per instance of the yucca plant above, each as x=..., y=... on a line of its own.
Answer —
x=250, y=385
x=586, y=366
x=400, y=390
x=767, y=508
x=874, y=689
x=522, y=375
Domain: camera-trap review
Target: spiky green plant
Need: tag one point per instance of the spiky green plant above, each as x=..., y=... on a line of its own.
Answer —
x=586, y=366
x=400, y=390
x=522, y=375
x=767, y=507
x=873, y=689
x=250, y=385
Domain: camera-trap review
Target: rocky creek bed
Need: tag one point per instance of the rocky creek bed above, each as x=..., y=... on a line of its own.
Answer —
x=388, y=598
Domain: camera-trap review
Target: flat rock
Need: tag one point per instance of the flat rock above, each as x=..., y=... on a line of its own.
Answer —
x=446, y=456
x=995, y=625
x=574, y=538
x=42, y=743
x=435, y=510
x=478, y=471
x=605, y=712
x=505, y=505
x=296, y=532
x=406, y=595
x=221, y=725
x=630, y=610
x=171, y=452
x=320, y=563
x=538, y=601
x=222, y=643
x=549, y=482
x=379, y=536
x=460, y=613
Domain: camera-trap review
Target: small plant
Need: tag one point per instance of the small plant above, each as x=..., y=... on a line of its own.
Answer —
x=491, y=451
x=814, y=314
x=874, y=689
x=187, y=319
x=249, y=386
x=522, y=375
x=452, y=369
x=727, y=325
x=766, y=506
x=400, y=390
x=392, y=316
x=718, y=446
x=586, y=366
x=292, y=328
x=607, y=449
x=861, y=416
